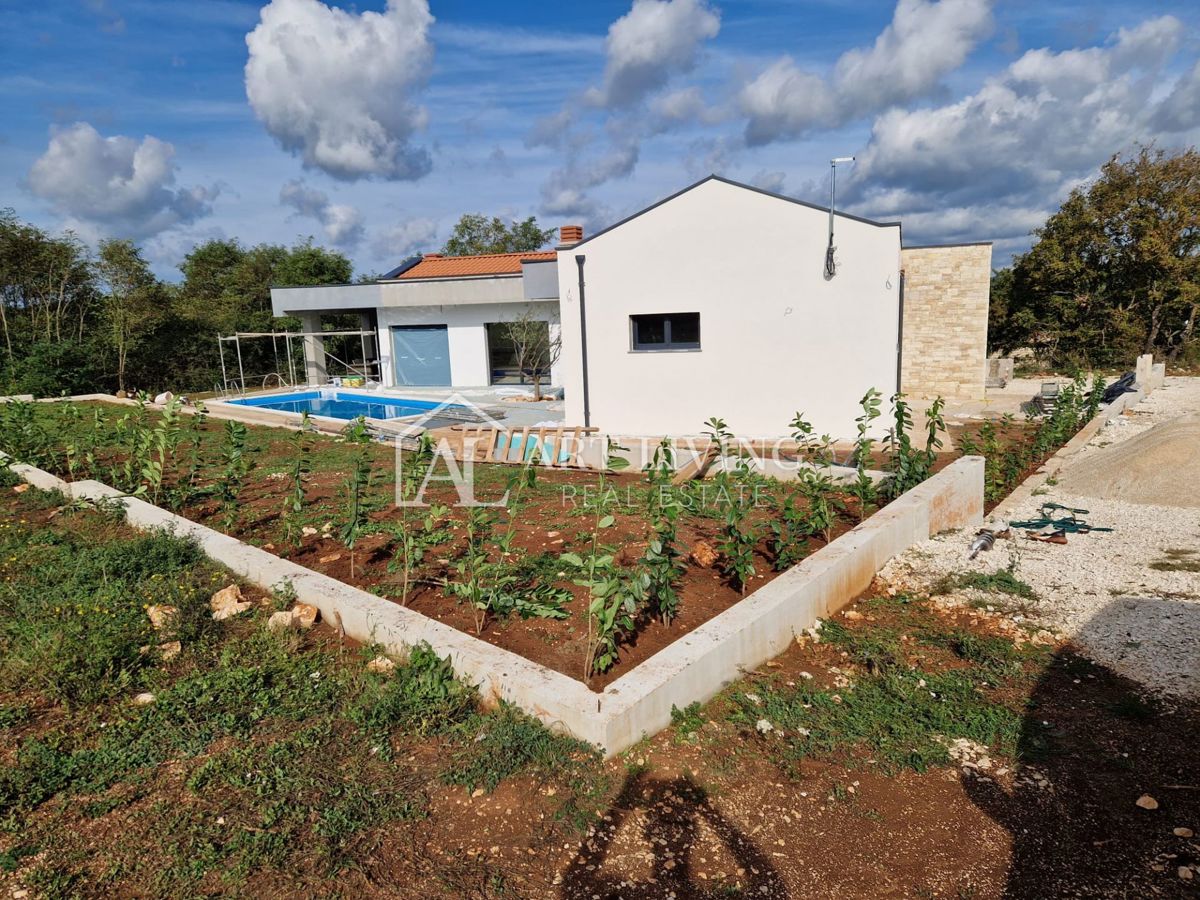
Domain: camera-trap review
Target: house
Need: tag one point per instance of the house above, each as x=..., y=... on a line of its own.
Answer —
x=437, y=319
x=716, y=301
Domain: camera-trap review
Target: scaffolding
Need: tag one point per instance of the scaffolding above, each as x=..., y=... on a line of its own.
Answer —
x=231, y=384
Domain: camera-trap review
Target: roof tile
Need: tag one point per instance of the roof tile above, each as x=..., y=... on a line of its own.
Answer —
x=434, y=265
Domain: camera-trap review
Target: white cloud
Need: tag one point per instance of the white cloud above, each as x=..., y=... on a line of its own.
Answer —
x=337, y=88
x=1048, y=116
x=1180, y=110
x=343, y=224
x=653, y=41
x=565, y=192
x=401, y=241
x=997, y=162
x=656, y=41
x=115, y=186
x=924, y=41
x=769, y=181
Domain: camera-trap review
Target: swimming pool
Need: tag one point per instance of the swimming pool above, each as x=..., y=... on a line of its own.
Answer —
x=340, y=404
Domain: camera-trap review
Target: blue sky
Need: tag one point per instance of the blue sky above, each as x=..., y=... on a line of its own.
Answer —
x=373, y=126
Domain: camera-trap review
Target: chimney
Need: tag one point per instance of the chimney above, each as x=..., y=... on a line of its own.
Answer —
x=570, y=234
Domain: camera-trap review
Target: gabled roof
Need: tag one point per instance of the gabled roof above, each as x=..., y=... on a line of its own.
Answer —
x=737, y=184
x=435, y=265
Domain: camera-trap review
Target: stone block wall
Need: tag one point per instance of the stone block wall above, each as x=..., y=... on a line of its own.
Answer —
x=944, y=340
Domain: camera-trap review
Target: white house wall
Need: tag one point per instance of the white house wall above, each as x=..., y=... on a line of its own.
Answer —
x=466, y=335
x=776, y=336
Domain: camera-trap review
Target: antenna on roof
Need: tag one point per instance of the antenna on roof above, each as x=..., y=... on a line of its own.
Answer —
x=830, y=264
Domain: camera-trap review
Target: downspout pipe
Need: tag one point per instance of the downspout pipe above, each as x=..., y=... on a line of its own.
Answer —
x=587, y=407
x=900, y=339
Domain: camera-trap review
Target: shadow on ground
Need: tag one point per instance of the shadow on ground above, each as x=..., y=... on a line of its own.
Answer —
x=1095, y=742
x=670, y=818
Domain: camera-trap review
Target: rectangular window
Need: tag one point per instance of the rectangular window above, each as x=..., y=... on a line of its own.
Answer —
x=666, y=331
x=505, y=350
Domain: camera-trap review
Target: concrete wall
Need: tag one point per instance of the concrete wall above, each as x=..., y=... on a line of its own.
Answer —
x=287, y=301
x=540, y=280
x=693, y=668
x=946, y=294
x=453, y=291
x=776, y=336
x=466, y=335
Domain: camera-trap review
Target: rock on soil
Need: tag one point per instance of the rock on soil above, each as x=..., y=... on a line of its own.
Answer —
x=704, y=554
x=161, y=617
x=306, y=615
x=381, y=665
x=228, y=602
x=283, y=621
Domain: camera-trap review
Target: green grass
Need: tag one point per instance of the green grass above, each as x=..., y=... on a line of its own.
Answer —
x=688, y=722
x=909, y=697
x=72, y=607
x=261, y=752
x=1003, y=581
x=892, y=717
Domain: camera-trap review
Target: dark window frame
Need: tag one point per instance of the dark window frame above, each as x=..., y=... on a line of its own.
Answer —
x=668, y=344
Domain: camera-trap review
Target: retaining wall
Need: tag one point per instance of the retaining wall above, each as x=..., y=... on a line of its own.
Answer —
x=693, y=668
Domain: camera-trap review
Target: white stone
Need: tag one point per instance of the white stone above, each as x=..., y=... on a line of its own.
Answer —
x=381, y=665
x=283, y=621
x=228, y=602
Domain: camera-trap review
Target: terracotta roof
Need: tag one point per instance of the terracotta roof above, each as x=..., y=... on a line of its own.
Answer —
x=434, y=265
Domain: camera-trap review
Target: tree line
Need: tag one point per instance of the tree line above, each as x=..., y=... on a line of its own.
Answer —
x=74, y=320
x=1113, y=274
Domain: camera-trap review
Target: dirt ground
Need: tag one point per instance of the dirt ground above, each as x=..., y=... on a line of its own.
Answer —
x=732, y=800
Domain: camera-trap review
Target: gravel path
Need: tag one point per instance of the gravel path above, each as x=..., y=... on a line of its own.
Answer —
x=1129, y=599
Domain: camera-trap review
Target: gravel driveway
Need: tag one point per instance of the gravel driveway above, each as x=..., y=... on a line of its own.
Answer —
x=1129, y=599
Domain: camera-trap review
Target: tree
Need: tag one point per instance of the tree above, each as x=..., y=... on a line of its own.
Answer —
x=536, y=350
x=46, y=286
x=1116, y=271
x=132, y=298
x=475, y=234
x=227, y=287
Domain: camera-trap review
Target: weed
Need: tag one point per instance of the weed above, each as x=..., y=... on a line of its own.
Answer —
x=899, y=717
x=422, y=697
x=10, y=860
x=12, y=715
x=74, y=622
x=688, y=722
x=510, y=742
x=878, y=649
x=1003, y=581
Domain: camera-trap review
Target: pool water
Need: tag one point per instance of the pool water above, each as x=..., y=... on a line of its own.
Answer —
x=336, y=404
